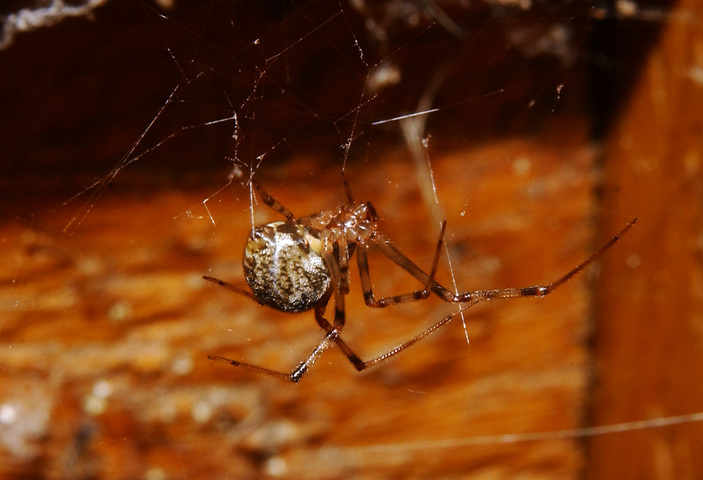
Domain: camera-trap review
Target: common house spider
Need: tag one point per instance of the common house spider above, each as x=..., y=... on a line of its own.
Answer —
x=298, y=264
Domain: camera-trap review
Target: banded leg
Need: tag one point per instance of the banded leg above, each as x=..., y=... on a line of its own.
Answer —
x=477, y=295
x=360, y=364
x=331, y=332
x=427, y=280
x=355, y=360
x=540, y=290
x=467, y=299
x=271, y=202
x=298, y=372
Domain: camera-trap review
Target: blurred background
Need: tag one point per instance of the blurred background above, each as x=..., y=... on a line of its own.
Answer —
x=537, y=130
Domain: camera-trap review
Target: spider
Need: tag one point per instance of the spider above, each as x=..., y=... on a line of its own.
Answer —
x=299, y=264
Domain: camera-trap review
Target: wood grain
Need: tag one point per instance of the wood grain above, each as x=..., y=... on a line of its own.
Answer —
x=648, y=336
x=116, y=324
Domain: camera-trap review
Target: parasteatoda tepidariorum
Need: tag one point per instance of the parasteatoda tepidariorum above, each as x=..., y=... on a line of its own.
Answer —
x=298, y=264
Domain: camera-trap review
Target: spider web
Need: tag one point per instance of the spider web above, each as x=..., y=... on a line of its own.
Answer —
x=129, y=180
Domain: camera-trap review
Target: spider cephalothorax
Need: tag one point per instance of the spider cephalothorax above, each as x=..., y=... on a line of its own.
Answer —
x=299, y=264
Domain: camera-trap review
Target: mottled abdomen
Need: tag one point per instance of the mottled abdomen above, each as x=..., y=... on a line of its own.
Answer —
x=284, y=268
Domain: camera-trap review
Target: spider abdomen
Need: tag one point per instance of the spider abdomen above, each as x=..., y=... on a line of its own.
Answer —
x=284, y=268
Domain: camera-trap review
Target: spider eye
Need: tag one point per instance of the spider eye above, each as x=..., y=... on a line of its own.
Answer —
x=283, y=269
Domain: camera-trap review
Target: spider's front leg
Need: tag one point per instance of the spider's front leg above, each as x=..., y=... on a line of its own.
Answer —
x=467, y=299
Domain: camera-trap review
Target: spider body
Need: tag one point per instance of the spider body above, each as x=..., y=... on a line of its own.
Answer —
x=300, y=264
x=284, y=268
x=283, y=261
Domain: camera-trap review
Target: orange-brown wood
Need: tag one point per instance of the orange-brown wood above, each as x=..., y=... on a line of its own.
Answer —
x=114, y=324
x=649, y=347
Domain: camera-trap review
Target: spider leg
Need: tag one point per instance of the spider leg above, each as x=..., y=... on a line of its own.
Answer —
x=331, y=331
x=404, y=262
x=342, y=247
x=540, y=290
x=297, y=372
x=271, y=202
x=396, y=256
x=234, y=288
x=347, y=189
x=360, y=364
x=468, y=299
x=353, y=358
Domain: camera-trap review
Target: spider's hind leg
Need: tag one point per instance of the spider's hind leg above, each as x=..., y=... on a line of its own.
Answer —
x=358, y=362
x=297, y=374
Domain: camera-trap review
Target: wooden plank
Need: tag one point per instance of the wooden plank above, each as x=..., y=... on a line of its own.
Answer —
x=649, y=305
x=113, y=326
